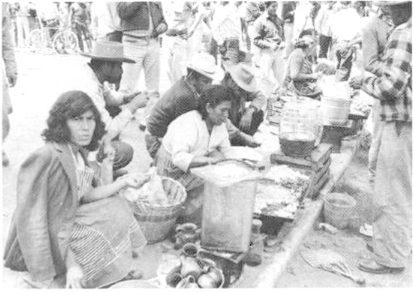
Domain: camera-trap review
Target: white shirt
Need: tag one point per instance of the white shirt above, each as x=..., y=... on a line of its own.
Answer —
x=323, y=20
x=105, y=18
x=92, y=87
x=188, y=136
x=302, y=20
x=346, y=24
x=226, y=23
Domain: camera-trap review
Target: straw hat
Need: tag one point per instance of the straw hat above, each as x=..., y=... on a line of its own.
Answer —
x=243, y=75
x=108, y=51
x=204, y=64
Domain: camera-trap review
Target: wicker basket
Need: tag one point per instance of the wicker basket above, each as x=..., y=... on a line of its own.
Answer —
x=156, y=222
x=291, y=146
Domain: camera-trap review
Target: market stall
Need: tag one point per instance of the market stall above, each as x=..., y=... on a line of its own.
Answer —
x=259, y=204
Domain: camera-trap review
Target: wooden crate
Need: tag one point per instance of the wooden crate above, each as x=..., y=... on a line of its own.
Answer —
x=315, y=161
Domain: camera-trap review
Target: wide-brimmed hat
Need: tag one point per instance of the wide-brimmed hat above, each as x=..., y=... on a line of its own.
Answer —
x=390, y=3
x=108, y=51
x=243, y=75
x=204, y=64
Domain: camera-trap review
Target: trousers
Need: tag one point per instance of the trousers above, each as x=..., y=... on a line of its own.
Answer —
x=392, y=198
x=146, y=54
x=377, y=133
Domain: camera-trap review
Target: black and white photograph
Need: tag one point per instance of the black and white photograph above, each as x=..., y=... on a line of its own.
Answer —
x=206, y=144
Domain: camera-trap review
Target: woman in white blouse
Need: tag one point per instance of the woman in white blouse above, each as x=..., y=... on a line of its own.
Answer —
x=196, y=138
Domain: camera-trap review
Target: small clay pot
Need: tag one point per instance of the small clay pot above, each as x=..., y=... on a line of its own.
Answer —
x=187, y=282
x=174, y=279
x=190, y=250
x=190, y=267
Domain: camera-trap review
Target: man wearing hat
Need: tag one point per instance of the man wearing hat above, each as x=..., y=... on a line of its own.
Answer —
x=392, y=198
x=182, y=97
x=243, y=121
x=106, y=66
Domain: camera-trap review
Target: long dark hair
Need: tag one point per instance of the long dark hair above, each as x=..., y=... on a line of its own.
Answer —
x=69, y=105
x=213, y=95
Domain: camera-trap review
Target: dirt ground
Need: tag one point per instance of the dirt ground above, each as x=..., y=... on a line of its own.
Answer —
x=43, y=77
x=349, y=242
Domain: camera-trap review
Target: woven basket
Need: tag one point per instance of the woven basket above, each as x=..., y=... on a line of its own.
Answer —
x=157, y=221
x=296, y=148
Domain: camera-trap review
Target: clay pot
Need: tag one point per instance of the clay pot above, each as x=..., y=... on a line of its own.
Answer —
x=186, y=233
x=190, y=250
x=187, y=283
x=174, y=279
x=190, y=267
x=206, y=281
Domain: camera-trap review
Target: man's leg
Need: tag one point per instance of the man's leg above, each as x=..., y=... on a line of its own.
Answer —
x=378, y=126
x=288, y=32
x=152, y=65
x=266, y=65
x=324, y=45
x=278, y=66
x=135, y=49
x=6, y=129
x=6, y=110
x=26, y=29
x=20, y=31
x=392, y=227
x=78, y=31
x=232, y=53
x=123, y=154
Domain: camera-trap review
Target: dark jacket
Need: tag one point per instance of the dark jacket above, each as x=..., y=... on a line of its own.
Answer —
x=135, y=15
x=46, y=207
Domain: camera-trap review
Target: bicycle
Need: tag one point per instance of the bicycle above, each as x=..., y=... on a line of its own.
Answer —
x=63, y=41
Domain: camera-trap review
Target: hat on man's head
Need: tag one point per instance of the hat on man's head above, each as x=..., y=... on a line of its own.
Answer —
x=204, y=64
x=243, y=75
x=108, y=51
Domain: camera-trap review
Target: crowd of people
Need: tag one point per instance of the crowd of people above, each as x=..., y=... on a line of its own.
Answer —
x=218, y=54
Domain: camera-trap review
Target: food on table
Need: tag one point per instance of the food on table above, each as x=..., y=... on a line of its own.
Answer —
x=279, y=192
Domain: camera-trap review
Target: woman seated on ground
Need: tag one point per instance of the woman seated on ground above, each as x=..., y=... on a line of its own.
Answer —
x=299, y=76
x=70, y=226
x=196, y=138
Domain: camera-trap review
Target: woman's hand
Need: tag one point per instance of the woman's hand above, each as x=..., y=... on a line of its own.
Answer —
x=109, y=154
x=74, y=277
x=135, y=182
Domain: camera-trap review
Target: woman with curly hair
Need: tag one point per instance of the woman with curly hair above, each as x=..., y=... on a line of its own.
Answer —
x=299, y=76
x=69, y=224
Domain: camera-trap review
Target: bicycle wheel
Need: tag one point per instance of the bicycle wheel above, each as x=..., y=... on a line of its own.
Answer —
x=65, y=42
x=37, y=39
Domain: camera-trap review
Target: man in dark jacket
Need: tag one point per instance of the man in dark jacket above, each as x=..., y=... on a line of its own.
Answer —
x=142, y=23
